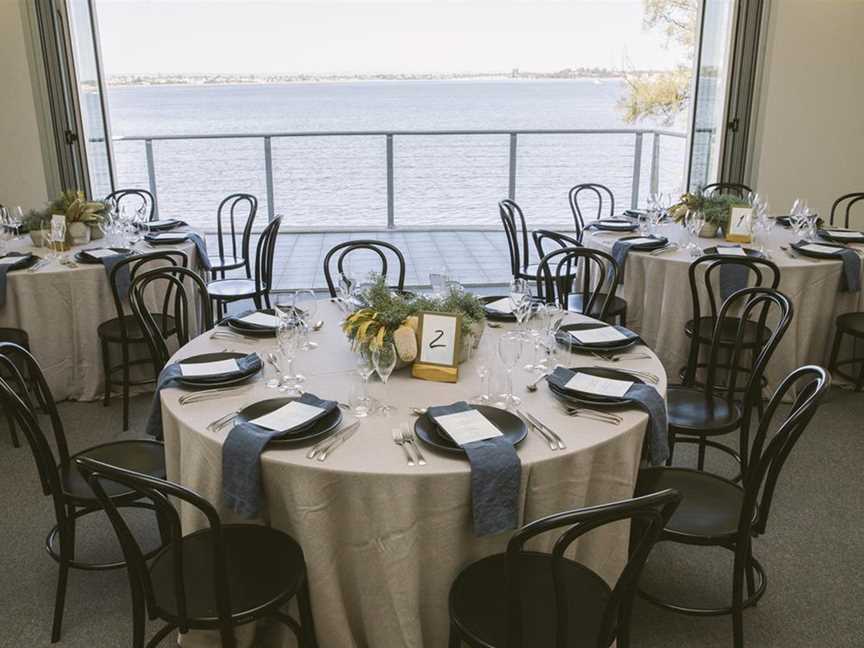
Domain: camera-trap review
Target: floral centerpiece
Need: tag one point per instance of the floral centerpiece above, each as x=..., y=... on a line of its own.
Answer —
x=389, y=316
x=82, y=216
x=716, y=208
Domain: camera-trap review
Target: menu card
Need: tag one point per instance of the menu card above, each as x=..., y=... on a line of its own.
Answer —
x=209, y=368
x=822, y=249
x=642, y=240
x=288, y=416
x=501, y=305
x=166, y=236
x=261, y=319
x=731, y=251
x=617, y=223
x=100, y=253
x=468, y=426
x=600, y=386
x=602, y=334
x=844, y=234
x=9, y=260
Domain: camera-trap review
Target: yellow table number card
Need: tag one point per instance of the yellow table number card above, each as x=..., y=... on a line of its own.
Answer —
x=439, y=335
x=740, y=225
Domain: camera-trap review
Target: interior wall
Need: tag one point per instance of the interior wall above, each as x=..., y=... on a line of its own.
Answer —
x=22, y=168
x=809, y=139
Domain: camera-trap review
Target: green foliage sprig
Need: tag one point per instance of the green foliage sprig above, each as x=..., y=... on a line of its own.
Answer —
x=716, y=207
x=73, y=204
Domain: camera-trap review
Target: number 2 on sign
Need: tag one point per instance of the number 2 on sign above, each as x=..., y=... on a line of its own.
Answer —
x=434, y=343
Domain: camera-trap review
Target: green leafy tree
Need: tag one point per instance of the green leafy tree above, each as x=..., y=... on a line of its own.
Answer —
x=664, y=95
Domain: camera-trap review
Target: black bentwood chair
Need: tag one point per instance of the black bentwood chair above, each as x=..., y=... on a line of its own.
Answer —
x=58, y=474
x=596, y=193
x=220, y=577
x=528, y=599
x=846, y=201
x=710, y=410
x=516, y=231
x=125, y=331
x=233, y=256
x=189, y=309
x=256, y=288
x=19, y=337
x=137, y=199
x=716, y=512
x=379, y=248
x=730, y=188
x=559, y=270
x=576, y=301
x=705, y=272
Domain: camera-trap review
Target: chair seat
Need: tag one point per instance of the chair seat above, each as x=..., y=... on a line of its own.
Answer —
x=529, y=273
x=264, y=567
x=146, y=457
x=111, y=330
x=710, y=506
x=851, y=323
x=231, y=288
x=226, y=262
x=479, y=602
x=576, y=304
x=728, y=331
x=691, y=411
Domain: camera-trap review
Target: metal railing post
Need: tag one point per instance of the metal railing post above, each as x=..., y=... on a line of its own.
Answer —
x=637, y=171
x=655, y=164
x=268, y=178
x=151, y=173
x=511, y=191
x=391, y=217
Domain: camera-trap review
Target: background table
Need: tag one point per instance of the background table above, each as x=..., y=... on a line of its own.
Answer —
x=61, y=308
x=657, y=290
x=384, y=541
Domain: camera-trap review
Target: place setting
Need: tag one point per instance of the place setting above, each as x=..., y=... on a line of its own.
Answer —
x=832, y=251
x=639, y=243
x=612, y=225
x=10, y=262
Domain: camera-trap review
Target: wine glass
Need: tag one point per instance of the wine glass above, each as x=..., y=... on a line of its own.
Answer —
x=15, y=219
x=288, y=339
x=305, y=305
x=695, y=222
x=519, y=300
x=384, y=359
x=362, y=404
x=509, y=352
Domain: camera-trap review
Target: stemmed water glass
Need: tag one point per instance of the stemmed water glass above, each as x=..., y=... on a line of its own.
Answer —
x=289, y=340
x=305, y=305
x=384, y=360
x=520, y=300
x=509, y=352
x=362, y=405
x=695, y=221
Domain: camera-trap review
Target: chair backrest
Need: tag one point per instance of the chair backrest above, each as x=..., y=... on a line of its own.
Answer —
x=236, y=206
x=590, y=191
x=516, y=231
x=379, y=248
x=159, y=493
x=557, y=238
x=751, y=308
x=648, y=515
x=770, y=450
x=731, y=188
x=595, y=270
x=189, y=306
x=265, y=255
x=846, y=201
x=136, y=264
x=136, y=198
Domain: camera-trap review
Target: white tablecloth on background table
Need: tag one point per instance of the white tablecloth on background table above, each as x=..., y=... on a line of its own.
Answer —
x=383, y=541
x=61, y=308
x=659, y=304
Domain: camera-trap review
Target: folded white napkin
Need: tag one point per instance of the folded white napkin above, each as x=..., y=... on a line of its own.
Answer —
x=466, y=427
x=288, y=416
x=597, y=385
x=209, y=368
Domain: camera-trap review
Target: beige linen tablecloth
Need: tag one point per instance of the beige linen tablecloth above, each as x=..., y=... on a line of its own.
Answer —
x=383, y=542
x=61, y=308
x=659, y=304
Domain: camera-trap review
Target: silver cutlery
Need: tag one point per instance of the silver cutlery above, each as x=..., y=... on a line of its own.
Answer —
x=207, y=394
x=397, y=439
x=317, y=325
x=594, y=415
x=548, y=430
x=553, y=444
x=38, y=265
x=271, y=359
x=409, y=438
x=347, y=434
x=644, y=375
x=231, y=335
x=618, y=357
x=789, y=252
x=222, y=421
x=329, y=444
x=663, y=250
x=418, y=411
x=493, y=325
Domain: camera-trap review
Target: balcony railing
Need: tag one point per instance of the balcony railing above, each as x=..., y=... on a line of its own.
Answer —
x=641, y=139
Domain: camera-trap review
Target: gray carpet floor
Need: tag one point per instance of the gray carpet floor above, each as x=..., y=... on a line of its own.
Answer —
x=813, y=551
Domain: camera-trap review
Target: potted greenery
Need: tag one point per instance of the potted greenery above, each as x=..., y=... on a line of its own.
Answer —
x=82, y=218
x=715, y=207
x=389, y=316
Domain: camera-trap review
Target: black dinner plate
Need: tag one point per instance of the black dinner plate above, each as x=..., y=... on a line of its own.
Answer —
x=567, y=341
x=80, y=257
x=179, y=237
x=511, y=426
x=496, y=315
x=33, y=260
x=798, y=246
x=255, y=330
x=209, y=381
x=826, y=234
x=658, y=242
x=163, y=226
x=584, y=398
x=750, y=252
x=304, y=434
x=615, y=225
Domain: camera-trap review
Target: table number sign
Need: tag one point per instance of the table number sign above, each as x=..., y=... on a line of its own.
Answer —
x=440, y=337
x=740, y=225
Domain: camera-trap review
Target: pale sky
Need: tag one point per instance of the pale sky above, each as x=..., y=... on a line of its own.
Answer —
x=391, y=36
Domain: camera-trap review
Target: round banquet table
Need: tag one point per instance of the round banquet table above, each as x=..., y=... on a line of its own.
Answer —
x=60, y=308
x=657, y=290
x=383, y=541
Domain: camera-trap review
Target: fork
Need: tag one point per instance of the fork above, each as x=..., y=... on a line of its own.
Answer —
x=603, y=417
x=222, y=421
x=612, y=357
x=644, y=375
x=397, y=439
x=207, y=394
x=409, y=438
x=666, y=248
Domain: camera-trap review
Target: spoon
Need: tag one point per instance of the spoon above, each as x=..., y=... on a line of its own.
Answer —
x=417, y=411
x=789, y=252
x=493, y=325
x=317, y=325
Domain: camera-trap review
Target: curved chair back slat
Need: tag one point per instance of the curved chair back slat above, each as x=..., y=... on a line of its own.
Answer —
x=587, y=190
x=595, y=270
x=516, y=231
x=265, y=256
x=241, y=207
x=379, y=248
x=137, y=199
x=732, y=188
x=849, y=199
x=542, y=236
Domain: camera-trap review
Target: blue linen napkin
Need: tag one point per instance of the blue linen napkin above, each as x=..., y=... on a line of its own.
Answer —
x=25, y=259
x=496, y=474
x=238, y=316
x=647, y=399
x=851, y=270
x=123, y=278
x=170, y=376
x=163, y=226
x=242, y=489
x=733, y=276
x=201, y=246
x=619, y=253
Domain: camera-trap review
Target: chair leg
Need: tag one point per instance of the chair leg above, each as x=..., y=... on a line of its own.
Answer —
x=835, y=349
x=10, y=420
x=106, y=368
x=700, y=462
x=860, y=382
x=307, y=621
x=66, y=534
x=126, y=379
x=750, y=573
x=738, y=599
x=692, y=361
x=454, y=641
x=671, y=448
x=227, y=637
